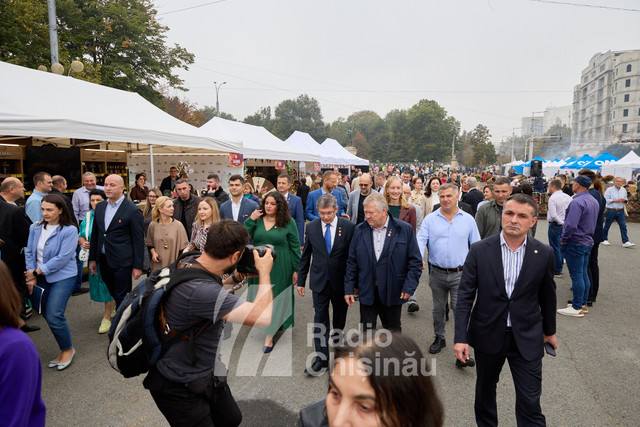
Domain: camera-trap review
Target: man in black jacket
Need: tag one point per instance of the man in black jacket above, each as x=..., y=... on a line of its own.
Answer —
x=118, y=240
x=473, y=196
x=169, y=183
x=215, y=190
x=327, y=239
x=185, y=206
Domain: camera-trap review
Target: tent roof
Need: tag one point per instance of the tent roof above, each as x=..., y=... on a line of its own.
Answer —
x=602, y=159
x=304, y=141
x=332, y=148
x=630, y=159
x=577, y=164
x=40, y=104
x=257, y=142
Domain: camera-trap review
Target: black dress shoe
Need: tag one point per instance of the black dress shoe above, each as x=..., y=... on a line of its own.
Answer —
x=27, y=328
x=80, y=291
x=316, y=369
x=469, y=363
x=589, y=303
x=413, y=306
x=438, y=344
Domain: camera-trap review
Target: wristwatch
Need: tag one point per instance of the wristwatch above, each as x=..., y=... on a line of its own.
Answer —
x=35, y=274
x=233, y=277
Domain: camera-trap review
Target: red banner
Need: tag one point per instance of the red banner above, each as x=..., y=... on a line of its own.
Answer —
x=317, y=167
x=236, y=160
x=280, y=164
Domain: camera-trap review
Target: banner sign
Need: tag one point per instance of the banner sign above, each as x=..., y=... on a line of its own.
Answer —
x=236, y=160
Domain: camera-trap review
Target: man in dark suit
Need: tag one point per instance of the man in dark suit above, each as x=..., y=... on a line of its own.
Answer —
x=169, y=183
x=118, y=242
x=283, y=185
x=473, y=196
x=384, y=264
x=237, y=208
x=328, y=239
x=510, y=277
x=14, y=234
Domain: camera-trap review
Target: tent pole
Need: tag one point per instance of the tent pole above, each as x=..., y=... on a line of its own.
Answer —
x=153, y=181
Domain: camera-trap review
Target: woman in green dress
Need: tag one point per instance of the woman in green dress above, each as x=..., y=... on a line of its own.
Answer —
x=97, y=288
x=272, y=224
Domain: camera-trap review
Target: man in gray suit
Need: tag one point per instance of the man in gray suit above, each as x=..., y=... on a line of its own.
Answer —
x=355, y=209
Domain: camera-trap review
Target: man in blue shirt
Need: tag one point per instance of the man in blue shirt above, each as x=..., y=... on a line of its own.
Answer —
x=576, y=241
x=43, y=185
x=447, y=234
x=329, y=185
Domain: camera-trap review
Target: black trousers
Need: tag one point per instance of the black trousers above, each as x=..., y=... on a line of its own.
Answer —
x=118, y=280
x=527, y=379
x=321, y=302
x=594, y=272
x=389, y=316
x=203, y=403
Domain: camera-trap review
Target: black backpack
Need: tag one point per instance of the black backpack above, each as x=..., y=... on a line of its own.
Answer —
x=136, y=340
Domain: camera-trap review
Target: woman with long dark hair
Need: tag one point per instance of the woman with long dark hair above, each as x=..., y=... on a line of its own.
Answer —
x=272, y=224
x=20, y=370
x=431, y=197
x=51, y=264
x=383, y=380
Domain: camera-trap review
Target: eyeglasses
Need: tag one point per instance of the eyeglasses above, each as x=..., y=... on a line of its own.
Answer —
x=152, y=197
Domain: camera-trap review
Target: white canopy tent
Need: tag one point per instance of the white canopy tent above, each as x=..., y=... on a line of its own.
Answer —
x=552, y=168
x=623, y=167
x=506, y=166
x=305, y=142
x=332, y=149
x=257, y=142
x=45, y=105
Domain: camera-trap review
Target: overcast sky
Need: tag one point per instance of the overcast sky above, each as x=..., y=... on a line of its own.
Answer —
x=484, y=61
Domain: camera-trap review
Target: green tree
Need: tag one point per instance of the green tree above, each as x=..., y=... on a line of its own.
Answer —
x=261, y=118
x=431, y=131
x=302, y=114
x=484, y=153
x=121, y=42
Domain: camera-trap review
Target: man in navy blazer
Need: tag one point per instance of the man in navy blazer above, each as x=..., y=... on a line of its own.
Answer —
x=283, y=184
x=237, y=208
x=328, y=240
x=118, y=240
x=329, y=185
x=510, y=277
x=384, y=264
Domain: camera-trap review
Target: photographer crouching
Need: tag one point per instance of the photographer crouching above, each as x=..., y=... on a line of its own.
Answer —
x=184, y=382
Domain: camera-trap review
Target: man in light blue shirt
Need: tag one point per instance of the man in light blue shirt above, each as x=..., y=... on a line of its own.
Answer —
x=80, y=199
x=616, y=197
x=447, y=234
x=43, y=185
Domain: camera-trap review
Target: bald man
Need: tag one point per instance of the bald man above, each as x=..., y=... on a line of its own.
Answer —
x=355, y=210
x=118, y=242
x=11, y=189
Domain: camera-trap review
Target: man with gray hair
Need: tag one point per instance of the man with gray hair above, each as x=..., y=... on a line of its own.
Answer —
x=327, y=239
x=384, y=265
x=473, y=196
x=80, y=199
x=447, y=235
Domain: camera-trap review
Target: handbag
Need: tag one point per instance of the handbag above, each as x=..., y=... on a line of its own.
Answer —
x=83, y=255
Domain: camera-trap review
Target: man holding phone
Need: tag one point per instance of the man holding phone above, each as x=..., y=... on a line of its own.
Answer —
x=510, y=277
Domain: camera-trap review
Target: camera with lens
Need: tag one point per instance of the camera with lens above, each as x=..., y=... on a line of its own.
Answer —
x=247, y=265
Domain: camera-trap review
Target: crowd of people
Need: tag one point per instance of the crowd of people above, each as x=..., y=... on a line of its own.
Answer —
x=368, y=238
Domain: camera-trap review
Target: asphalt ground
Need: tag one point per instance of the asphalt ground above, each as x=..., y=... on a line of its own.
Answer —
x=594, y=380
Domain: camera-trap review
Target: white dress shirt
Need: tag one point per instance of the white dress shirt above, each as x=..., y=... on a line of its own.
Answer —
x=235, y=209
x=512, y=264
x=557, y=207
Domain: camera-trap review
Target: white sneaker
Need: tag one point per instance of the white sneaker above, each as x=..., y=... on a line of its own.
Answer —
x=570, y=311
x=606, y=243
x=628, y=245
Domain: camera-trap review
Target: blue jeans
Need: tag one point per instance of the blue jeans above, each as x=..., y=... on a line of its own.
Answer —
x=577, y=256
x=617, y=216
x=54, y=302
x=555, y=234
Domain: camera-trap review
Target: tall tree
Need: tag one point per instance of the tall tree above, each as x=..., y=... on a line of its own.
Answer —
x=484, y=153
x=431, y=131
x=302, y=114
x=121, y=42
x=261, y=117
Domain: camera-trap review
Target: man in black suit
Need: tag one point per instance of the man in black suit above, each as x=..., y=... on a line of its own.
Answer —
x=118, y=242
x=168, y=184
x=473, y=196
x=328, y=239
x=510, y=277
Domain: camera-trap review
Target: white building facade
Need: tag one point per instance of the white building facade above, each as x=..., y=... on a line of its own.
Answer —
x=606, y=103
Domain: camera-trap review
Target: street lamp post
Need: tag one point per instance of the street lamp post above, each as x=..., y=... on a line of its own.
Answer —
x=218, y=86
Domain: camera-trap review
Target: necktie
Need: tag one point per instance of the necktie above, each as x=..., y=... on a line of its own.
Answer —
x=327, y=238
